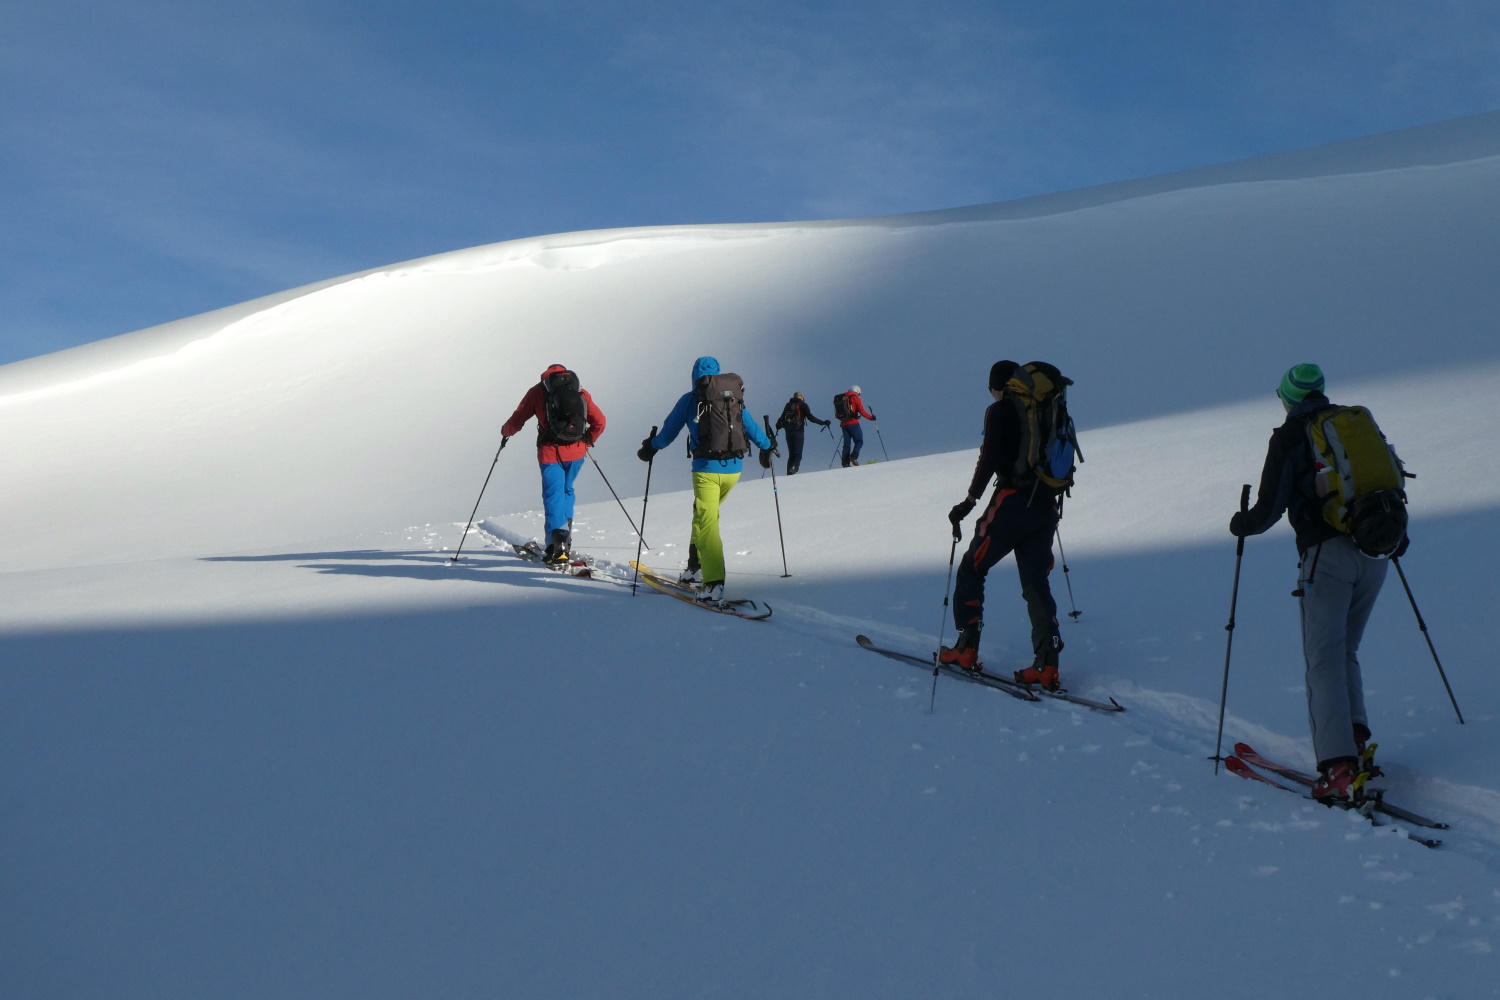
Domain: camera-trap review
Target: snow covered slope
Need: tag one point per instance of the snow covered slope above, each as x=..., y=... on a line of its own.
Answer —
x=264, y=738
x=379, y=398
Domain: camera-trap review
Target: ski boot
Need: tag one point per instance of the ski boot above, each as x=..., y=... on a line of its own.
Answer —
x=560, y=549
x=1043, y=669
x=711, y=592
x=1336, y=782
x=964, y=653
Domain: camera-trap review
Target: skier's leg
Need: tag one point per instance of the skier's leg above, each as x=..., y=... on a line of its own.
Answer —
x=1033, y=565
x=709, y=491
x=989, y=545
x=556, y=497
x=857, y=435
x=1371, y=577
x=1325, y=605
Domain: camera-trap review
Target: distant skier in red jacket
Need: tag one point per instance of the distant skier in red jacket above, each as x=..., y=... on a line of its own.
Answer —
x=568, y=424
x=847, y=414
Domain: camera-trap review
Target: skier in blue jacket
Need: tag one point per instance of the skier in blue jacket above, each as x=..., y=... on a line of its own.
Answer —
x=716, y=466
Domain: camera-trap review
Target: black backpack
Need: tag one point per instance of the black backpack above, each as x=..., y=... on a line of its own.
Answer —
x=567, y=413
x=791, y=416
x=842, y=408
x=721, y=427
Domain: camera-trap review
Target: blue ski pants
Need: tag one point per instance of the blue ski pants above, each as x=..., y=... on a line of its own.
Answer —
x=854, y=439
x=557, y=493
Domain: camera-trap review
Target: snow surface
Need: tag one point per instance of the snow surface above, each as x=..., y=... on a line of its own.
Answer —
x=263, y=738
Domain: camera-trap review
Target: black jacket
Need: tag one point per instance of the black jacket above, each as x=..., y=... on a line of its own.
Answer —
x=998, y=450
x=1286, y=482
x=795, y=414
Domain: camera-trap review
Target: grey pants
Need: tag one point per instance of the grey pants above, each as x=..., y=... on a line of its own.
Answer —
x=1336, y=604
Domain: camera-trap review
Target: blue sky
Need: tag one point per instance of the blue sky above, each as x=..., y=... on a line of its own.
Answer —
x=165, y=158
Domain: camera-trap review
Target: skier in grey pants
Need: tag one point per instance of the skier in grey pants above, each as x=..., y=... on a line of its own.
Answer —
x=1336, y=582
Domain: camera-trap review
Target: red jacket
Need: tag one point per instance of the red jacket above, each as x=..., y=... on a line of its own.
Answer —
x=534, y=404
x=858, y=406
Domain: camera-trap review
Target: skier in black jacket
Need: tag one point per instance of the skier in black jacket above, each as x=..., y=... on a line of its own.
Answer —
x=1019, y=519
x=793, y=417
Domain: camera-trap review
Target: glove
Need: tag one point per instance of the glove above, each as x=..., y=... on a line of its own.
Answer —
x=960, y=511
x=1237, y=525
x=1401, y=549
x=588, y=439
x=765, y=459
x=647, y=453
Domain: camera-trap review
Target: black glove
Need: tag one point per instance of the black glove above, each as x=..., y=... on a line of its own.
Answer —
x=1237, y=526
x=765, y=458
x=647, y=453
x=1401, y=549
x=588, y=439
x=960, y=511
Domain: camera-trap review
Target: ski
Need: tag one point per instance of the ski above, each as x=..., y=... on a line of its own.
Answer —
x=1065, y=695
x=532, y=551
x=987, y=680
x=1236, y=766
x=1248, y=754
x=740, y=608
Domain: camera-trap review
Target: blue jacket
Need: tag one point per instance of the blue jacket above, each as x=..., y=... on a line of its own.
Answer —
x=685, y=413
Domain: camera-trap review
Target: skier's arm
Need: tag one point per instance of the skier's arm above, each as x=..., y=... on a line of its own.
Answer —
x=807, y=410
x=675, y=421
x=524, y=412
x=754, y=431
x=1277, y=478
x=988, y=462
x=595, y=419
x=859, y=408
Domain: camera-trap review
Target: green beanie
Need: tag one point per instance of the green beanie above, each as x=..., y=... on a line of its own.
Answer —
x=1298, y=381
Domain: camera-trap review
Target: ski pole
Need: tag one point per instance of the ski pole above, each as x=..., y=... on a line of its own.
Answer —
x=776, y=495
x=943, y=625
x=837, y=443
x=503, y=442
x=1066, y=578
x=645, y=499
x=617, y=499
x=881, y=438
x=1239, y=554
x=1423, y=626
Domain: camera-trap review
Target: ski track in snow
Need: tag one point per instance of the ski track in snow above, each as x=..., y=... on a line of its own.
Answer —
x=1181, y=723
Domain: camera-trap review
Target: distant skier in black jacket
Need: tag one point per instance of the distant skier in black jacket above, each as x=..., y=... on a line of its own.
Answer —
x=793, y=417
x=1018, y=519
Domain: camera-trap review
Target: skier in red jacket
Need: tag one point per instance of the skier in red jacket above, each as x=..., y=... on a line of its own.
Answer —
x=568, y=424
x=854, y=435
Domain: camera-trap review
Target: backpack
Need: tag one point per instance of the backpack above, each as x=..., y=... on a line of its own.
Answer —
x=791, y=416
x=1358, y=478
x=1048, y=444
x=567, y=413
x=721, y=427
x=842, y=408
